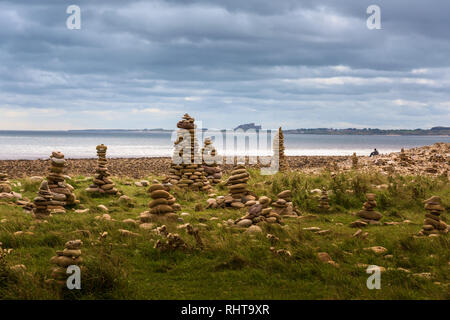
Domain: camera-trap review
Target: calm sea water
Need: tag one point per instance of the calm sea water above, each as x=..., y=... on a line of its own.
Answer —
x=39, y=145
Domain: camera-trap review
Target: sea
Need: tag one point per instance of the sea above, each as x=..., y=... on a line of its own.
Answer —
x=28, y=145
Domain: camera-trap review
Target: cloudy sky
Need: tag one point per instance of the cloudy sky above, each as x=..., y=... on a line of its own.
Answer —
x=299, y=64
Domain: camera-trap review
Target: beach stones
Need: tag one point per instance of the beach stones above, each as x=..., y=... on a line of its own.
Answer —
x=259, y=212
x=368, y=213
x=71, y=255
x=324, y=201
x=102, y=182
x=162, y=205
x=5, y=186
x=62, y=192
x=42, y=202
x=186, y=170
x=432, y=224
x=209, y=159
x=278, y=149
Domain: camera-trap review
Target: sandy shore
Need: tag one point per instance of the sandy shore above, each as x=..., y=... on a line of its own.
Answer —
x=136, y=167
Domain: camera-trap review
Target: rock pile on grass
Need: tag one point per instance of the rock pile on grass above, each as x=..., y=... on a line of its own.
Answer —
x=5, y=186
x=368, y=213
x=283, y=205
x=62, y=192
x=102, y=182
x=162, y=206
x=432, y=224
x=324, y=204
x=42, y=202
x=239, y=194
x=259, y=212
x=71, y=255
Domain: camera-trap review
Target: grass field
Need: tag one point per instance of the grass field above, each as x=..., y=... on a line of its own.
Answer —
x=234, y=264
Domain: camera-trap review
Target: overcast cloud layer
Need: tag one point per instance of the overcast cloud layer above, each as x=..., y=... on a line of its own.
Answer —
x=143, y=64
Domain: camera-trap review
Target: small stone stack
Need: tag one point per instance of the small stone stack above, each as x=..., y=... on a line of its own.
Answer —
x=186, y=170
x=324, y=204
x=432, y=225
x=238, y=187
x=62, y=192
x=368, y=213
x=283, y=206
x=71, y=255
x=259, y=212
x=102, y=182
x=5, y=186
x=42, y=202
x=162, y=205
x=209, y=159
x=354, y=161
x=278, y=148
x=404, y=159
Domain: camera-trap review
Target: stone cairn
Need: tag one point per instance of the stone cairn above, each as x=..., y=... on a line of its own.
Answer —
x=354, y=161
x=71, y=255
x=404, y=159
x=324, y=204
x=259, y=212
x=102, y=182
x=186, y=170
x=278, y=148
x=433, y=225
x=42, y=202
x=62, y=192
x=368, y=213
x=238, y=188
x=283, y=206
x=162, y=205
x=5, y=186
x=209, y=160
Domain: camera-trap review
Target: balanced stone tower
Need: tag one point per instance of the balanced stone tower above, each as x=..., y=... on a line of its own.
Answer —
x=71, y=255
x=102, y=182
x=368, y=212
x=278, y=148
x=186, y=170
x=238, y=187
x=62, y=192
x=162, y=205
x=283, y=206
x=324, y=201
x=354, y=161
x=209, y=160
x=433, y=225
x=5, y=186
x=42, y=202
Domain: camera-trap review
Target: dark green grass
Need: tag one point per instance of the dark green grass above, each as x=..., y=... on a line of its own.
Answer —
x=236, y=265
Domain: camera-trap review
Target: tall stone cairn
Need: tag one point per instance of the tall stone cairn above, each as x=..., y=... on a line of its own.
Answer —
x=62, y=192
x=354, y=161
x=278, y=148
x=324, y=204
x=186, y=170
x=238, y=187
x=102, y=182
x=71, y=255
x=162, y=205
x=42, y=202
x=5, y=186
x=433, y=225
x=368, y=212
x=209, y=160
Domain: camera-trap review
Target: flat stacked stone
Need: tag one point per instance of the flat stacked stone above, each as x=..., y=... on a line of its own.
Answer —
x=432, y=224
x=354, y=161
x=238, y=187
x=71, y=255
x=368, y=213
x=283, y=205
x=209, y=158
x=162, y=205
x=5, y=186
x=278, y=148
x=42, y=202
x=62, y=191
x=324, y=204
x=186, y=169
x=102, y=183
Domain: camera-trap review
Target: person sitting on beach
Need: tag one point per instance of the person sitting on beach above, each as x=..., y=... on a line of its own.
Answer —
x=374, y=153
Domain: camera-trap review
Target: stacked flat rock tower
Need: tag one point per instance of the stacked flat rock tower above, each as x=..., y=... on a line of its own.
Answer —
x=209, y=159
x=186, y=169
x=324, y=204
x=432, y=225
x=102, y=182
x=354, y=161
x=283, y=206
x=162, y=205
x=42, y=202
x=278, y=148
x=5, y=186
x=368, y=212
x=238, y=187
x=71, y=255
x=62, y=192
